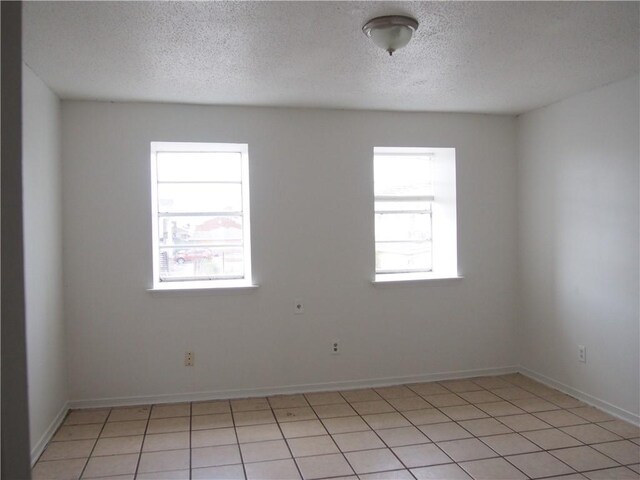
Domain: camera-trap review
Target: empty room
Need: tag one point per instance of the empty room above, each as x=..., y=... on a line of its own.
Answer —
x=320, y=240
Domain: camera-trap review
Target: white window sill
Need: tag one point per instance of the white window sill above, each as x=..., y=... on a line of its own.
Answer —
x=413, y=278
x=198, y=288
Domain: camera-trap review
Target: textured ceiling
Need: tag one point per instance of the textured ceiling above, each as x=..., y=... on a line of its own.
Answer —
x=466, y=56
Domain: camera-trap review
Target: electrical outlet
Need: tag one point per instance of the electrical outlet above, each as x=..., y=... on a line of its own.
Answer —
x=582, y=353
x=189, y=359
x=335, y=347
x=298, y=307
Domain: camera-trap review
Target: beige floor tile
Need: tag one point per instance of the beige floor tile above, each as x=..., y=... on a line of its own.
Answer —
x=564, y=401
x=273, y=470
x=490, y=382
x=171, y=410
x=129, y=476
x=583, y=458
x=531, y=405
x=463, y=412
x=118, y=446
x=111, y=465
x=311, y=446
x=551, y=438
x=306, y=428
x=510, y=444
x=399, y=437
x=481, y=396
x=334, y=410
x=432, y=388
x=409, y=403
x=83, y=417
x=263, y=451
x=256, y=417
x=450, y=471
x=208, y=408
x=215, y=456
x=624, y=429
x=288, y=401
x=345, y=424
x=392, y=475
x=524, y=423
x=624, y=452
x=123, y=429
x=227, y=472
x=67, y=450
x=77, y=432
x=294, y=414
x=168, y=425
x=166, y=441
x=351, y=442
x=484, y=426
x=512, y=393
x=440, y=432
x=539, y=464
x=123, y=414
x=371, y=407
x=618, y=473
x=421, y=455
x=500, y=409
x=363, y=395
x=426, y=417
x=398, y=391
x=466, y=449
x=248, y=404
x=592, y=414
x=445, y=400
x=560, y=418
x=164, y=461
x=386, y=420
x=460, y=386
x=571, y=476
x=492, y=469
x=323, y=466
x=324, y=398
x=213, y=438
x=172, y=475
x=207, y=422
x=590, y=433
x=258, y=433
x=69, y=469
x=370, y=461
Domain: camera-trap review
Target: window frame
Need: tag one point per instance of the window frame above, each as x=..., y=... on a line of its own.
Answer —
x=444, y=263
x=245, y=213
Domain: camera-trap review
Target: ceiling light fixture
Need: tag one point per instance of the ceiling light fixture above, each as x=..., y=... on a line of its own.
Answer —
x=391, y=32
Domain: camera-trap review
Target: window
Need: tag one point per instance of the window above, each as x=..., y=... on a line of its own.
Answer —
x=200, y=202
x=415, y=213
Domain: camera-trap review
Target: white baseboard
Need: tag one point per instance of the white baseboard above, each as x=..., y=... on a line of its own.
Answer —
x=585, y=397
x=266, y=391
x=39, y=447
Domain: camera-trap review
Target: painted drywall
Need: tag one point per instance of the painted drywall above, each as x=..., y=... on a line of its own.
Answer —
x=46, y=350
x=312, y=220
x=578, y=242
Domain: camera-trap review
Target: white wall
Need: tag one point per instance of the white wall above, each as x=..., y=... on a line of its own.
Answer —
x=46, y=352
x=578, y=241
x=312, y=232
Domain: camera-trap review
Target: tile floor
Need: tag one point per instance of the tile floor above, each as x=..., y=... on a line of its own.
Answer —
x=507, y=427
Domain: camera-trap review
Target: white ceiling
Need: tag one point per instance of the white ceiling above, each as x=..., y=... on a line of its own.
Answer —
x=466, y=56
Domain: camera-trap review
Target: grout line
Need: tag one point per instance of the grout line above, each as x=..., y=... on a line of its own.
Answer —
x=144, y=438
x=95, y=444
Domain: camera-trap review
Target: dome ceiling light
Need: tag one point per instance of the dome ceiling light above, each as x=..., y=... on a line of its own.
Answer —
x=391, y=32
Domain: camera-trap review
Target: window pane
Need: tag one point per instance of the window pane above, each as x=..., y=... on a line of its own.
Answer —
x=189, y=197
x=395, y=205
x=199, y=167
x=403, y=257
x=403, y=227
x=402, y=175
x=196, y=263
x=205, y=230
